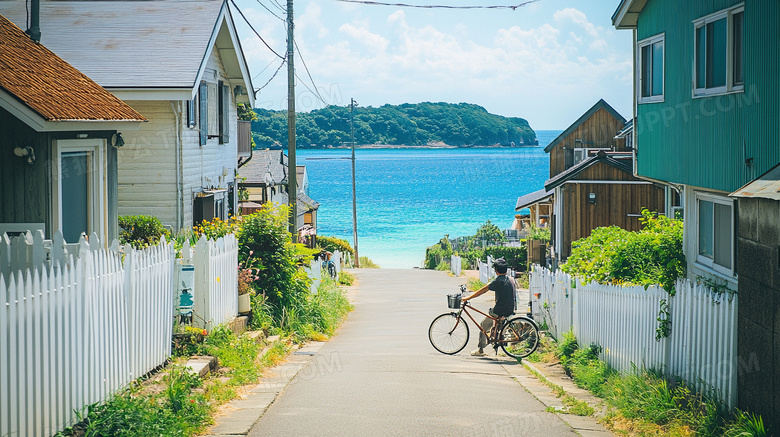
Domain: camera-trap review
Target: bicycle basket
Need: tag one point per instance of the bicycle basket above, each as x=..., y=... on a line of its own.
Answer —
x=453, y=301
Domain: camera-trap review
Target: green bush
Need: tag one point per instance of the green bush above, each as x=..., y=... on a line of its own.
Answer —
x=346, y=278
x=266, y=245
x=437, y=253
x=651, y=256
x=366, y=263
x=332, y=244
x=141, y=231
x=516, y=257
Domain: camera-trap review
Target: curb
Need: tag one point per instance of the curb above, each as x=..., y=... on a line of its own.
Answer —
x=532, y=378
x=238, y=416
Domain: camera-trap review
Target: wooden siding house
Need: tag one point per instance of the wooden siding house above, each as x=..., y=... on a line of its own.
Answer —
x=59, y=143
x=181, y=65
x=707, y=114
x=592, y=181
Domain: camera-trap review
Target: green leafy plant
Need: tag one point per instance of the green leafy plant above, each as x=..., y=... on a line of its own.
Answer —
x=438, y=253
x=664, y=319
x=516, y=257
x=333, y=244
x=611, y=255
x=537, y=233
x=141, y=231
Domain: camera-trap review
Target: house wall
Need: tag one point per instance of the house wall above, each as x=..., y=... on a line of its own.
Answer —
x=598, y=131
x=148, y=182
x=26, y=191
x=616, y=204
x=758, y=265
x=147, y=164
x=705, y=141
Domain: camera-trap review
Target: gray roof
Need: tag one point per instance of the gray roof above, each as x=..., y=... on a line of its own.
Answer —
x=599, y=105
x=124, y=44
x=272, y=163
x=767, y=186
x=531, y=198
x=306, y=203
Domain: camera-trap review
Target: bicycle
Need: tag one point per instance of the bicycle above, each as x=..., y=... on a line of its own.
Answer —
x=328, y=265
x=518, y=336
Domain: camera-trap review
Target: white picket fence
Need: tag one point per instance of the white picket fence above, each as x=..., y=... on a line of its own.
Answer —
x=314, y=270
x=216, y=280
x=73, y=333
x=455, y=265
x=701, y=348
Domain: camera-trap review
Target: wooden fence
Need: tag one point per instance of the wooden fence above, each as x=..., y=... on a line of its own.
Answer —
x=79, y=322
x=701, y=347
x=73, y=333
x=216, y=280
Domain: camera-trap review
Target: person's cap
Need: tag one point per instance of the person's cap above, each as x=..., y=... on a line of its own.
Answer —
x=500, y=265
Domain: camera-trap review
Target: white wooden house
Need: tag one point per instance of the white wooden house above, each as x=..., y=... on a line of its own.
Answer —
x=179, y=64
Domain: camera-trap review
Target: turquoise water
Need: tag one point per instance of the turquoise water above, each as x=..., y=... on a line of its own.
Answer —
x=408, y=199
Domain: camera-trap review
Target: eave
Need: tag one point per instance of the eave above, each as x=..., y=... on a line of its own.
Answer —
x=627, y=14
x=40, y=124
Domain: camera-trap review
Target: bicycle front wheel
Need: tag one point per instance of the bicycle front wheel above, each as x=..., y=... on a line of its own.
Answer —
x=448, y=333
x=519, y=337
x=332, y=270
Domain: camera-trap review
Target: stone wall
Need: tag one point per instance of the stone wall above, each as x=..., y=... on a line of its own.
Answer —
x=758, y=266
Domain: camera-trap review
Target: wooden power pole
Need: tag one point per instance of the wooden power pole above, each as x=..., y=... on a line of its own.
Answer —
x=352, y=104
x=292, y=166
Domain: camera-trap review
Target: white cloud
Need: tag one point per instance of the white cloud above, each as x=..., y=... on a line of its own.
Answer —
x=376, y=43
x=579, y=18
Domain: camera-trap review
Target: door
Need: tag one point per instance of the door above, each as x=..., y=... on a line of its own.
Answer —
x=79, y=203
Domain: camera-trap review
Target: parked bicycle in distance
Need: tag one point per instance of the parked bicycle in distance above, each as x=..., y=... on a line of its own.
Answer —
x=518, y=336
x=328, y=265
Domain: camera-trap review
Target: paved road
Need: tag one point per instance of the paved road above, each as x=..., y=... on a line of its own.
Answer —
x=380, y=377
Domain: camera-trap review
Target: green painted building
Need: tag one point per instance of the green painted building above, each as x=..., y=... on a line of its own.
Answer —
x=707, y=122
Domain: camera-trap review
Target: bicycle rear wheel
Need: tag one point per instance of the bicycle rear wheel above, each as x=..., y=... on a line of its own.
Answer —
x=448, y=333
x=519, y=337
x=332, y=270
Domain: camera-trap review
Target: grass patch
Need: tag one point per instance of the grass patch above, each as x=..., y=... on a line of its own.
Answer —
x=366, y=263
x=346, y=278
x=644, y=402
x=474, y=284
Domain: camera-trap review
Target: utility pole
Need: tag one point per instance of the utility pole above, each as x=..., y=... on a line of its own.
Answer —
x=292, y=166
x=352, y=104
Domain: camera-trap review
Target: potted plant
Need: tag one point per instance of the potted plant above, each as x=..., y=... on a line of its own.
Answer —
x=245, y=289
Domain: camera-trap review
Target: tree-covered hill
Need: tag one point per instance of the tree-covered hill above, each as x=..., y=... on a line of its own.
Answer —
x=421, y=124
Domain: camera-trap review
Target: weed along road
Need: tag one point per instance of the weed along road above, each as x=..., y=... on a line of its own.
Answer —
x=379, y=376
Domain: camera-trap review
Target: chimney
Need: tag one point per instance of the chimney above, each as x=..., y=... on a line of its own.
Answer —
x=35, y=21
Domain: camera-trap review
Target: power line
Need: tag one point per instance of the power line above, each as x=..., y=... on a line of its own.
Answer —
x=284, y=61
x=270, y=11
x=316, y=90
x=405, y=5
x=253, y=29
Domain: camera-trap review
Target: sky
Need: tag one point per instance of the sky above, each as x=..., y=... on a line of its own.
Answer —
x=547, y=62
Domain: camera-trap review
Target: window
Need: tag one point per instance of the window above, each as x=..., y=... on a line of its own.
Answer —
x=651, y=69
x=715, y=245
x=718, y=58
x=213, y=112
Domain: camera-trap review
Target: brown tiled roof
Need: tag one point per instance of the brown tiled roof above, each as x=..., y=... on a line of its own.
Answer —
x=51, y=87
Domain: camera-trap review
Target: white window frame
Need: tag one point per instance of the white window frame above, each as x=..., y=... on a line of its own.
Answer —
x=709, y=263
x=730, y=86
x=98, y=213
x=661, y=37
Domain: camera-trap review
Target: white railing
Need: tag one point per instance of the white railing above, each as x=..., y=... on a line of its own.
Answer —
x=701, y=348
x=72, y=334
x=215, y=290
x=455, y=265
x=486, y=273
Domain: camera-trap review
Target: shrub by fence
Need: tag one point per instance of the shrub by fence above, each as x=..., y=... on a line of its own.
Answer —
x=701, y=345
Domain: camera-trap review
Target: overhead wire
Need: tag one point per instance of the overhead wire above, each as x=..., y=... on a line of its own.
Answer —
x=253, y=29
x=284, y=61
x=270, y=11
x=406, y=5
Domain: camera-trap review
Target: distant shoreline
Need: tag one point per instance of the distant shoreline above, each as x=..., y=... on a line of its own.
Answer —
x=389, y=146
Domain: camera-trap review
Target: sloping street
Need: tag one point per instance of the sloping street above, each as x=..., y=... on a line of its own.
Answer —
x=379, y=376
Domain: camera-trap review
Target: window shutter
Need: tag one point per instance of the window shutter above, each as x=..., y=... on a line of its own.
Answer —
x=203, y=113
x=224, y=113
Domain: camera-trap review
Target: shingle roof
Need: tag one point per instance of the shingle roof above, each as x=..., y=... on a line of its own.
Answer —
x=136, y=44
x=599, y=105
x=265, y=162
x=51, y=87
x=531, y=198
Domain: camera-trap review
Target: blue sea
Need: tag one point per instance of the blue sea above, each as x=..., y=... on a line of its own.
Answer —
x=408, y=199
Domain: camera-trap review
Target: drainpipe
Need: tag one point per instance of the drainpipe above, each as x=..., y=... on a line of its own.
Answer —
x=35, y=21
x=179, y=165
